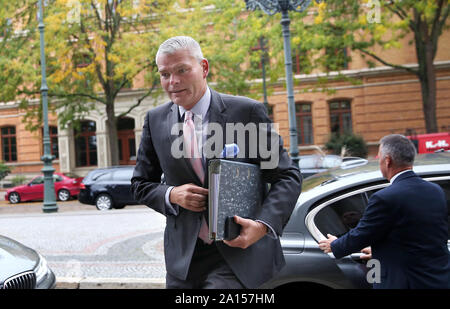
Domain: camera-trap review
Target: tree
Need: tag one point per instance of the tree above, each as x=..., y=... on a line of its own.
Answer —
x=94, y=49
x=362, y=26
x=227, y=35
x=13, y=44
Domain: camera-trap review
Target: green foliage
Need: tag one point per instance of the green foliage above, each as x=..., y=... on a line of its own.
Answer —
x=18, y=180
x=4, y=170
x=347, y=145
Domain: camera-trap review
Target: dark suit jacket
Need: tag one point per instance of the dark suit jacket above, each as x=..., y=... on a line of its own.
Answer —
x=406, y=226
x=254, y=265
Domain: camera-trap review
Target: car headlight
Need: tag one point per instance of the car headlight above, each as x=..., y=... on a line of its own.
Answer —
x=41, y=269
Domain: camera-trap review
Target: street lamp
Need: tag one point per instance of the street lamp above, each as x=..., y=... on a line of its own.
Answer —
x=49, y=188
x=272, y=7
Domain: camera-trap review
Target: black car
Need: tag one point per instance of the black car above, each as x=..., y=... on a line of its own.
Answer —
x=108, y=188
x=333, y=202
x=23, y=268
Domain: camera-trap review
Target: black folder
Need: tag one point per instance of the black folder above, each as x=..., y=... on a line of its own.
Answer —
x=235, y=188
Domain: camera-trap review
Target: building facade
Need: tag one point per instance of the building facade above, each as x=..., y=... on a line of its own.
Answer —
x=383, y=101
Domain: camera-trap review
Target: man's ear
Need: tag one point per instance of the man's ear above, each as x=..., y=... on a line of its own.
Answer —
x=205, y=67
x=388, y=161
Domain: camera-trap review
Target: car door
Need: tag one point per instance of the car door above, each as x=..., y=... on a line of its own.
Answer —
x=341, y=213
x=35, y=190
x=444, y=183
x=122, y=180
x=336, y=216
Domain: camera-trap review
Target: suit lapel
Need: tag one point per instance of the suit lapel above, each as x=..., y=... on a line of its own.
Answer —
x=216, y=114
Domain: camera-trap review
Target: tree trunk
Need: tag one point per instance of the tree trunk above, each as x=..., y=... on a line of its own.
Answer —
x=425, y=50
x=111, y=124
x=428, y=85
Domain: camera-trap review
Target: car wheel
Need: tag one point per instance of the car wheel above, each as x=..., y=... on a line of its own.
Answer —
x=14, y=197
x=104, y=202
x=63, y=195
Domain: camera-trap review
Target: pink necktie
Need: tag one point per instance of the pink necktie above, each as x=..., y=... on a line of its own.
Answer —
x=192, y=152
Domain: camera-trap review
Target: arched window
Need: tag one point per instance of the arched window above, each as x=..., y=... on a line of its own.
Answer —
x=86, y=144
x=340, y=117
x=9, y=144
x=304, y=123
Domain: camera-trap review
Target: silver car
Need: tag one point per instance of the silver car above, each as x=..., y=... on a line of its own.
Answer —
x=23, y=268
x=333, y=202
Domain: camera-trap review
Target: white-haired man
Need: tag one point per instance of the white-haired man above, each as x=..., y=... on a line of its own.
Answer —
x=191, y=260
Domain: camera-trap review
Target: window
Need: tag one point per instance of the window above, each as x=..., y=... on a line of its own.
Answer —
x=53, y=134
x=340, y=117
x=38, y=180
x=337, y=59
x=341, y=216
x=301, y=64
x=304, y=123
x=86, y=144
x=57, y=178
x=123, y=174
x=9, y=145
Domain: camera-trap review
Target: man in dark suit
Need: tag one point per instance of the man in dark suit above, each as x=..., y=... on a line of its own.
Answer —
x=405, y=224
x=192, y=261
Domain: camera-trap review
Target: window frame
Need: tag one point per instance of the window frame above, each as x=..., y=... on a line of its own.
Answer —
x=339, y=112
x=309, y=219
x=300, y=116
x=86, y=135
x=9, y=136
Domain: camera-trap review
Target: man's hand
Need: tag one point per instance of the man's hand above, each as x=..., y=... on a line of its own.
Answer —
x=367, y=253
x=251, y=232
x=325, y=244
x=189, y=196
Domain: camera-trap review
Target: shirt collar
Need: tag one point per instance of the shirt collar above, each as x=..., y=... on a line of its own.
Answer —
x=201, y=108
x=398, y=174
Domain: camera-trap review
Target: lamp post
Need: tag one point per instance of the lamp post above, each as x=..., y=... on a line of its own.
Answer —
x=49, y=188
x=272, y=7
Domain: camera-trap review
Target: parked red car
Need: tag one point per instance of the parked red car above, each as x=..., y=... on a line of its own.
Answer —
x=65, y=188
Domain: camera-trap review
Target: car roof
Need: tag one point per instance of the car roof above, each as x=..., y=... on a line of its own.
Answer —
x=111, y=168
x=344, y=177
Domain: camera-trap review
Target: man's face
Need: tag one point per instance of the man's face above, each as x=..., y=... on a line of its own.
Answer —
x=183, y=77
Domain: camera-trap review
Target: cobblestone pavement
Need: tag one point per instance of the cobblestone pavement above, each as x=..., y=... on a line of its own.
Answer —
x=81, y=242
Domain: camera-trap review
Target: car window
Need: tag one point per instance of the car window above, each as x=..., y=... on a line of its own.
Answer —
x=38, y=180
x=341, y=216
x=71, y=175
x=106, y=175
x=57, y=178
x=345, y=203
x=123, y=174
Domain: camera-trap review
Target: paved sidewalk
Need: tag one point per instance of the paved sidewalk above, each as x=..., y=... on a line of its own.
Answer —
x=89, y=249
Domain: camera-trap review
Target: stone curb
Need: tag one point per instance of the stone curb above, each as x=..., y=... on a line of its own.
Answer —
x=110, y=283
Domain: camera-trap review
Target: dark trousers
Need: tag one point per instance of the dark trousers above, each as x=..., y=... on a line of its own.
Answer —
x=208, y=270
